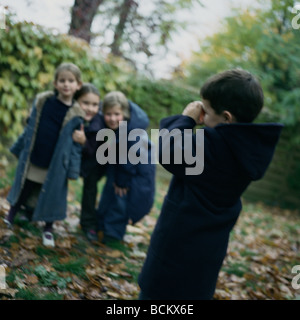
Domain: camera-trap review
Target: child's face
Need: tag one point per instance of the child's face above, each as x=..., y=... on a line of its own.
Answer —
x=211, y=118
x=66, y=84
x=113, y=116
x=89, y=102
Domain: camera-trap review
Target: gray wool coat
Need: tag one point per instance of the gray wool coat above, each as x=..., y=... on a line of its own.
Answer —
x=65, y=163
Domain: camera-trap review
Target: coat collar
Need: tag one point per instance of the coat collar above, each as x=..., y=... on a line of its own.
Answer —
x=74, y=111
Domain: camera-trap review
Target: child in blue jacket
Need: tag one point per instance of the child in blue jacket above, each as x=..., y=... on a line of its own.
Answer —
x=190, y=239
x=129, y=190
x=47, y=154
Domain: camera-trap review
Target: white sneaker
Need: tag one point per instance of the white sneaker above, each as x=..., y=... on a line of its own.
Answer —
x=48, y=239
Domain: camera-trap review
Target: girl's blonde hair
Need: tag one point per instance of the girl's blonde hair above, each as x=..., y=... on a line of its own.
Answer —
x=116, y=98
x=66, y=66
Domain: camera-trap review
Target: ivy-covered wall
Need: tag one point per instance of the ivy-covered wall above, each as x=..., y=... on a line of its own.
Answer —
x=29, y=56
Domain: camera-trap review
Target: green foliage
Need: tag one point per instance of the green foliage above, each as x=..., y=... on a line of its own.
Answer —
x=29, y=56
x=263, y=42
x=294, y=179
x=159, y=98
x=51, y=278
x=73, y=266
x=25, y=294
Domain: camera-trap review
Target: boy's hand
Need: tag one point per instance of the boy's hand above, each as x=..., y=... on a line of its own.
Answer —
x=195, y=111
x=79, y=135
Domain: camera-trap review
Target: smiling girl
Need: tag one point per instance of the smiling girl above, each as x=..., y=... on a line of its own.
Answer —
x=88, y=98
x=47, y=155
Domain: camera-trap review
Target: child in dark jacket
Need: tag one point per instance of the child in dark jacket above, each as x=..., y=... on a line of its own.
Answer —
x=47, y=155
x=88, y=98
x=190, y=239
x=129, y=190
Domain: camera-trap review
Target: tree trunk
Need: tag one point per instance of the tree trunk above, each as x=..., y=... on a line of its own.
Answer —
x=125, y=10
x=82, y=16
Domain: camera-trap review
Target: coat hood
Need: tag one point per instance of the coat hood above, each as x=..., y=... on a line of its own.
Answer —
x=252, y=145
x=138, y=117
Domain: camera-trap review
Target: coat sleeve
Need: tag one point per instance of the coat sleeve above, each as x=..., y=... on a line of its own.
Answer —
x=19, y=145
x=179, y=146
x=91, y=145
x=75, y=161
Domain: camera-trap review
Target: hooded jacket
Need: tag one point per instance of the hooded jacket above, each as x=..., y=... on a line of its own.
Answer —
x=139, y=178
x=190, y=239
x=65, y=163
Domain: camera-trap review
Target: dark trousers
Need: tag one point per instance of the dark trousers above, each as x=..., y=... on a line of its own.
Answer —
x=28, y=188
x=88, y=219
x=112, y=215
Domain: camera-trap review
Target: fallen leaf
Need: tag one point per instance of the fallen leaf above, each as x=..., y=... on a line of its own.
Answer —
x=138, y=254
x=114, y=294
x=30, y=243
x=64, y=244
x=115, y=254
x=132, y=229
x=23, y=257
x=8, y=292
x=31, y=279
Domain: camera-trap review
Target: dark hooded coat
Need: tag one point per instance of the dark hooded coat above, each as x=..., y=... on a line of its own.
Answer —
x=114, y=211
x=190, y=239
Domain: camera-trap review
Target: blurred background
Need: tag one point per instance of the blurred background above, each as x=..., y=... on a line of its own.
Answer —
x=158, y=53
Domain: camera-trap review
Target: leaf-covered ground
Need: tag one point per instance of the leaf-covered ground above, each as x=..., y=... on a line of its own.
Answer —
x=264, y=247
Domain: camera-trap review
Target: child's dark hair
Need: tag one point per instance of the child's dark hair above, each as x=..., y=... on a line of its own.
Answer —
x=236, y=91
x=86, y=88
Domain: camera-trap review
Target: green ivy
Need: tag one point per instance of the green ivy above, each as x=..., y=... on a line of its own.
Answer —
x=29, y=56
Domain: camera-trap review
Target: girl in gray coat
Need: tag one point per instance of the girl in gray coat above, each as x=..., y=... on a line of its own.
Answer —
x=47, y=155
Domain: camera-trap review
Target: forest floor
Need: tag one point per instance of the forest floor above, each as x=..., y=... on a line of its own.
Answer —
x=264, y=247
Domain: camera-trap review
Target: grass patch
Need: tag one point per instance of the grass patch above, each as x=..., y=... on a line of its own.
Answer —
x=237, y=269
x=51, y=278
x=30, y=294
x=134, y=270
x=76, y=267
x=248, y=253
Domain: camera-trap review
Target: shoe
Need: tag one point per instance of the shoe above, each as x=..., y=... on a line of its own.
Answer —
x=48, y=239
x=91, y=235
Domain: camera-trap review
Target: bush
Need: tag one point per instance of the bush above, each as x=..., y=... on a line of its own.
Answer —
x=29, y=56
